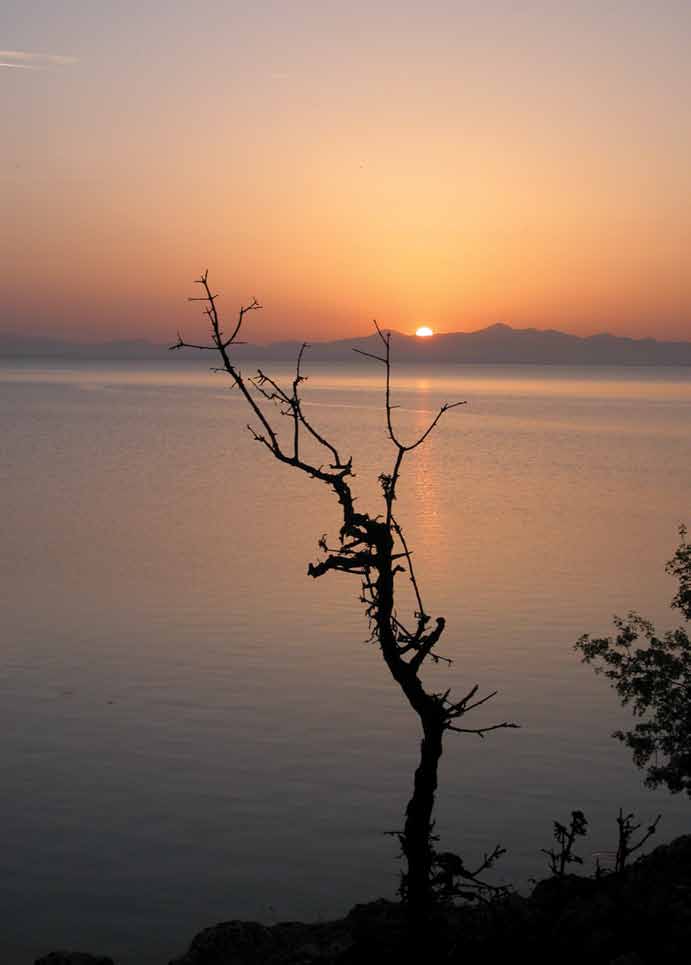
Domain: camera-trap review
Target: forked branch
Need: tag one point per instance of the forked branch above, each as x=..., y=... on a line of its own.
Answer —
x=389, y=482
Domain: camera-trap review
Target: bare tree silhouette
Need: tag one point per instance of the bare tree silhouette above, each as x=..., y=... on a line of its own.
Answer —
x=374, y=548
x=625, y=846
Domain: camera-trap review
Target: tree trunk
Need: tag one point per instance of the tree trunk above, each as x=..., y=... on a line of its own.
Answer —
x=416, y=839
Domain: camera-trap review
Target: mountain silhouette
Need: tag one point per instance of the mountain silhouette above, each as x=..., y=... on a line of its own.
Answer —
x=496, y=344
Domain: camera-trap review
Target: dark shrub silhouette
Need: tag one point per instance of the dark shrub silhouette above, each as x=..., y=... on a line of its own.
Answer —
x=654, y=676
x=565, y=839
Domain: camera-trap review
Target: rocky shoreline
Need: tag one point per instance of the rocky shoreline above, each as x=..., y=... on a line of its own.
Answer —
x=639, y=917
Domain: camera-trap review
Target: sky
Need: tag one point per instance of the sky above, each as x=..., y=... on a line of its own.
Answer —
x=451, y=164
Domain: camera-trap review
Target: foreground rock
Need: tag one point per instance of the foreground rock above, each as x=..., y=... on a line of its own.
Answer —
x=377, y=932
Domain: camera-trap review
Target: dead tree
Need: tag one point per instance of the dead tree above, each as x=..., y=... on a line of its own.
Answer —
x=625, y=846
x=373, y=548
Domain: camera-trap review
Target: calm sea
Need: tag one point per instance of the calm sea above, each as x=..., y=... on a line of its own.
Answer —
x=193, y=730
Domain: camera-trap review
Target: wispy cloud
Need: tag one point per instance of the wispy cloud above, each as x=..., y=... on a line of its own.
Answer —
x=28, y=60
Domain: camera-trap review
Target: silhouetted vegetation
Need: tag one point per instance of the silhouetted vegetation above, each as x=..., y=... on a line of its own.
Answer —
x=625, y=845
x=373, y=548
x=451, y=879
x=653, y=674
x=565, y=839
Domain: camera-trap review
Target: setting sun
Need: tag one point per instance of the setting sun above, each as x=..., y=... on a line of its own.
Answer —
x=424, y=331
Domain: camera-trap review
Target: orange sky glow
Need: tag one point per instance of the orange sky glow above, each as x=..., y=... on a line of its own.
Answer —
x=453, y=166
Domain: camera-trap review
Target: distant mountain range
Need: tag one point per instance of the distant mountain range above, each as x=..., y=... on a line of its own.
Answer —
x=496, y=344
x=13, y=345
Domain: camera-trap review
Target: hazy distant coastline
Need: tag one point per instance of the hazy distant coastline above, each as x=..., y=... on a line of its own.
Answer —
x=497, y=344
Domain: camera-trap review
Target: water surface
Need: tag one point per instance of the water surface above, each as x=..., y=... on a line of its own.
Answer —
x=194, y=730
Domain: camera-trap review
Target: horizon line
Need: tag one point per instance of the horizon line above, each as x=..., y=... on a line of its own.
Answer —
x=72, y=340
